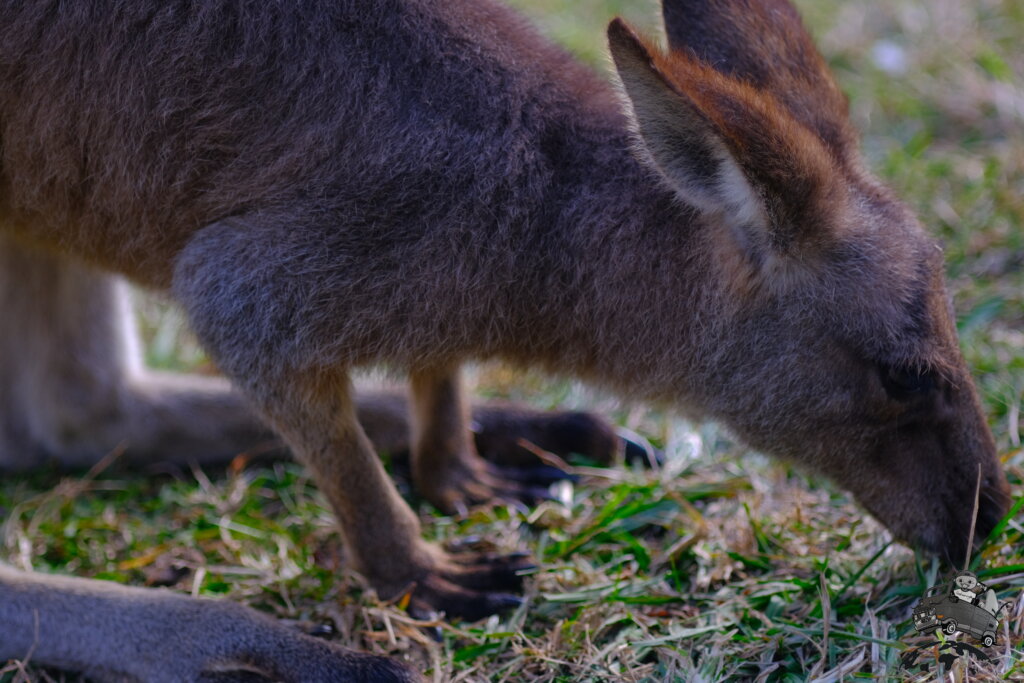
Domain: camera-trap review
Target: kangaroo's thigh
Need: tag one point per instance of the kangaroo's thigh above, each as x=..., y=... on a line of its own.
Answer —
x=63, y=361
x=72, y=383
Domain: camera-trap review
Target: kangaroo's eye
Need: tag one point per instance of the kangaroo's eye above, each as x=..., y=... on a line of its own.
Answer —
x=904, y=384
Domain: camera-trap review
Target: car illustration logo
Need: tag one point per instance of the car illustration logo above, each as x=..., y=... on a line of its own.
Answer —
x=964, y=604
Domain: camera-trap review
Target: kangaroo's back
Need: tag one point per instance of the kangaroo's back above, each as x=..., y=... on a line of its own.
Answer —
x=127, y=126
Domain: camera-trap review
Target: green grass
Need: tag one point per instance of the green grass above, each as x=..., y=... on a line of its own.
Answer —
x=721, y=566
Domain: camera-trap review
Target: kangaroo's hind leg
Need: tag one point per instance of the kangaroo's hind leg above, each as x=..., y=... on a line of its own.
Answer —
x=116, y=633
x=73, y=386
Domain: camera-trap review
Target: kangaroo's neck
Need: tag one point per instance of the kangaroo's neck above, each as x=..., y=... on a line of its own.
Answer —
x=617, y=264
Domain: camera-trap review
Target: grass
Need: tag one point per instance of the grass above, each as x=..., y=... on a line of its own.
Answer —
x=721, y=565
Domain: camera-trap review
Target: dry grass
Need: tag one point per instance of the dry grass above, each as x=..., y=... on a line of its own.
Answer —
x=719, y=566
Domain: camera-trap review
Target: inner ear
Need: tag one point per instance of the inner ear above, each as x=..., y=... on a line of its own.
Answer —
x=678, y=138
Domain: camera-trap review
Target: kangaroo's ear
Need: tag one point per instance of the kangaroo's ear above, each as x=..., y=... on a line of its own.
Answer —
x=728, y=149
x=766, y=45
x=681, y=140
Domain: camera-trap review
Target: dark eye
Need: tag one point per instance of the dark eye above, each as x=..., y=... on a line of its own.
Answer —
x=904, y=384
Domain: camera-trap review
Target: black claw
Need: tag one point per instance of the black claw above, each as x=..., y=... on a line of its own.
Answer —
x=501, y=602
x=548, y=474
x=474, y=606
x=499, y=559
x=508, y=576
x=541, y=475
x=472, y=586
x=637, y=453
x=422, y=611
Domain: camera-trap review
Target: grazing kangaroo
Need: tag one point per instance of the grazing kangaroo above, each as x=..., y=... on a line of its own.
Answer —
x=327, y=184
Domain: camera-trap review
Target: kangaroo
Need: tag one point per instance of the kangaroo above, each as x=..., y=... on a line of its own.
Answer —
x=323, y=185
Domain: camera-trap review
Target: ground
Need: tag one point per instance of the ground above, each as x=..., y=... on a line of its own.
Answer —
x=721, y=565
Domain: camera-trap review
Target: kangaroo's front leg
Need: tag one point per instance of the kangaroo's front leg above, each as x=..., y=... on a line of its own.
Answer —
x=256, y=324
x=446, y=468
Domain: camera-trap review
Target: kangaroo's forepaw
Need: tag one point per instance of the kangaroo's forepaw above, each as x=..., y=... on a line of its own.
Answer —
x=471, y=586
x=460, y=483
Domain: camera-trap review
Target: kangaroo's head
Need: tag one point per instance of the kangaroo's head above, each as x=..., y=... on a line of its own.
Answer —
x=837, y=346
